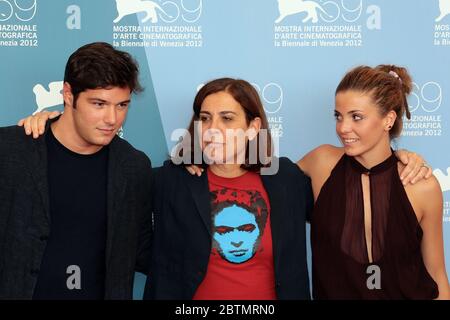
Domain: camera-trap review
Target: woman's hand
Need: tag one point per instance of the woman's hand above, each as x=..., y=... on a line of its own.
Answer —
x=194, y=170
x=35, y=124
x=415, y=169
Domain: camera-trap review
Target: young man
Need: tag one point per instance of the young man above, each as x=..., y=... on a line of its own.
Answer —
x=74, y=201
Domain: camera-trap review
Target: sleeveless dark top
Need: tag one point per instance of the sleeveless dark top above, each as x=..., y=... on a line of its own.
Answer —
x=340, y=263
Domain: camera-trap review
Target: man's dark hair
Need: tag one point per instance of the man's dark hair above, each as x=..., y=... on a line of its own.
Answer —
x=100, y=65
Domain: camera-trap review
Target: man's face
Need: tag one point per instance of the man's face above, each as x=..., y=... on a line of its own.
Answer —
x=97, y=114
x=236, y=233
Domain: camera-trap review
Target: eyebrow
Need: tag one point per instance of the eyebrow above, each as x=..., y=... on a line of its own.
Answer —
x=105, y=101
x=350, y=112
x=97, y=99
x=221, y=112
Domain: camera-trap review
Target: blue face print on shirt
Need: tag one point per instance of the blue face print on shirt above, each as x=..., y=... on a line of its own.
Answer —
x=236, y=233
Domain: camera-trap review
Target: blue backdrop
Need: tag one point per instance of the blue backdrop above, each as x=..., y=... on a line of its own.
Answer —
x=294, y=52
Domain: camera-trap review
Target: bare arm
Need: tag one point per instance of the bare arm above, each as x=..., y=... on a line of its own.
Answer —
x=413, y=172
x=429, y=196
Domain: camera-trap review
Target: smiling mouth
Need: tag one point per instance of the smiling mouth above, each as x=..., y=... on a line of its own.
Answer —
x=238, y=253
x=349, y=141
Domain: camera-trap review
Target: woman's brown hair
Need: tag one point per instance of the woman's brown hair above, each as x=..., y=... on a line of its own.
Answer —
x=247, y=96
x=388, y=85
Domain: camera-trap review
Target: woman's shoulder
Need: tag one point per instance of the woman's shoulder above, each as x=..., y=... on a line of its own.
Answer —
x=327, y=153
x=289, y=174
x=321, y=160
x=288, y=167
x=425, y=194
x=170, y=171
x=425, y=187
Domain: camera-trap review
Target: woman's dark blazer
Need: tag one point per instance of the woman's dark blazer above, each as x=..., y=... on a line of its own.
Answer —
x=182, y=238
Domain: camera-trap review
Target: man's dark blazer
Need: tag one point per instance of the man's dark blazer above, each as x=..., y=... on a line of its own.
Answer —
x=25, y=219
x=183, y=239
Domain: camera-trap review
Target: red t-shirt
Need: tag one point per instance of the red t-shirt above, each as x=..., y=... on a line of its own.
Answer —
x=241, y=262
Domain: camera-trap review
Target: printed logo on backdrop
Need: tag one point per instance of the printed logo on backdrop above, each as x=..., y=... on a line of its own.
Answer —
x=16, y=23
x=272, y=98
x=444, y=181
x=48, y=98
x=162, y=23
x=442, y=24
x=427, y=121
x=426, y=118
x=331, y=23
x=443, y=178
x=53, y=97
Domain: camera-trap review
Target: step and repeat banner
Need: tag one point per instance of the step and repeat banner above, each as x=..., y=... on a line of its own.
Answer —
x=294, y=52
